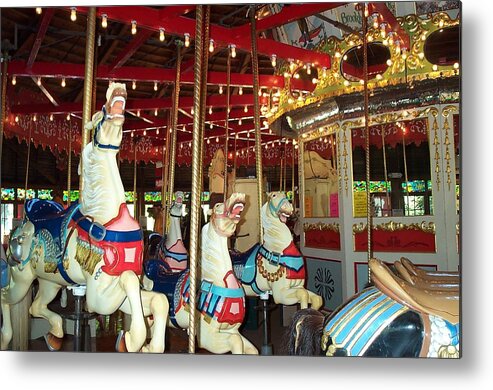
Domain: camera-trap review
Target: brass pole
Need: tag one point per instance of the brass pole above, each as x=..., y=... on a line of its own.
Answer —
x=367, y=139
x=280, y=170
x=28, y=161
x=301, y=176
x=165, y=174
x=285, y=161
x=405, y=170
x=256, y=117
x=292, y=175
x=174, y=124
x=88, y=87
x=135, y=180
x=226, y=141
x=69, y=163
x=385, y=166
x=4, y=103
x=332, y=142
x=196, y=163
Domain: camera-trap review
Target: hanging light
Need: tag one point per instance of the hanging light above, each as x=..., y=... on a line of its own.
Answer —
x=145, y=132
x=155, y=113
x=38, y=81
x=68, y=117
x=260, y=92
x=240, y=91
x=391, y=38
x=220, y=90
x=51, y=117
x=273, y=60
x=211, y=45
x=104, y=20
x=245, y=109
x=240, y=122
x=375, y=20
x=14, y=80
x=35, y=118
x=63, y=84
x=210, y=110
x=404, y=53
x=208, y=141
x=134, y=27
x=73, y=14
x=134, y=84
x=39, y=10
x=233, y=50
x=435, y=67
x=17, y=119
x=155, y=85
x=161, y=34
x=157, y=131
x=211, y=125
x=308, y=68
x=191, y=111
x=217, y=139
x=382, y=30
x=138, y=113
x=291, y=64
x=187, y=39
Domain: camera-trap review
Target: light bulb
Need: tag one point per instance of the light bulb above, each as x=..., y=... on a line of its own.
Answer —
x=14, y=80
x=389, y=62
x=240, y=91
x=145, y=132
x=296, y=76
x=435, y=67
x=337, y=54
x=63, y=83
x=51, y=117
x=456, y=65
x=314, y=81
x=73, y=14
x=324, y=71
x=157, y=131
x=233, y=50
x=155, y=114
x=210, y=110
x=346, y=83
x=35, y=118
x=245, y=109
x=382, y=30
x=211, y=45
x=308, y=69
x=161, y=34
x=68, y=117
x=138, y=113
x=404, y=54
x=191, y=111
x=211, y=126
x=379, y=76
x=17, y=119
x=240, y=122
x=39, y=10
x=208, y=141
x=220, y=90
x=187, y=39
x=217, y=139
x=291, y=65
x=38, y=81
x=104, y=20
x=370, y=38
x=134, y=84
x=273, y=60
x=375, y=20
x=134, y=27
x=155, y=85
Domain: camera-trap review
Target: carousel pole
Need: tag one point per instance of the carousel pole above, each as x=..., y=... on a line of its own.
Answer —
x=292, y=176
x=385, y=168
x=367, y=134
x=226, y=141
x=69, y=163
x=266, y=345
x=135, y=180
x=196, y=163
x=88, y=87
x=165, y=174
x=174, y=126
x=4, y=103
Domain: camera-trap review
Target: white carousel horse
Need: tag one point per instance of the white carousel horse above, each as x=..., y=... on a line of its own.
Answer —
x=393, y=318
x=221, y=299
x=276, y=265
x=95, y=243
x=170, y=253
x=216, y=174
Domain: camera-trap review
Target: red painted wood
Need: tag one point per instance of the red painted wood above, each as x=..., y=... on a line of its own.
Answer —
x=323, y=239
x=141, y=37
x=410, y=240
x=43, y=27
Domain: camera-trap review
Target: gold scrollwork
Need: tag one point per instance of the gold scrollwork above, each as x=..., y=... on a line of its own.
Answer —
x=391, y=226
x=334, y=227
x=436, y=144
x=446, y=127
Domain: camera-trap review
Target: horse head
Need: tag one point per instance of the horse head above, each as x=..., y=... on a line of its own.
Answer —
x=178, y=207
x=279, y=206
x=108, y=122
x=20, y=244
x=225, y=216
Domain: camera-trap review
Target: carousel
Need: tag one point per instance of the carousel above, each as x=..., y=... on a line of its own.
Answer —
x=273, y=179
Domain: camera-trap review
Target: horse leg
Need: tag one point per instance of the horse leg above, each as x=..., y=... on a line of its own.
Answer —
x=19, y=285
x=157, y=305
x=39, y=308
x=283, y=293
x=249, y=348
x=218, y=342
x=136, y=336
x=315, y=300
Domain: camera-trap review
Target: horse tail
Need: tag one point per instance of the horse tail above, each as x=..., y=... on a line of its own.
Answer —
x=304, y=334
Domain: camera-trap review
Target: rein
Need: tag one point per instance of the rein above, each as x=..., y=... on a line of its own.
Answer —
x=98, y=127
x=275, y=209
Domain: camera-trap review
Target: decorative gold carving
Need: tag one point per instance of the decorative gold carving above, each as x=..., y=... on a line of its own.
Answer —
x=87, y=256
x=436, y=143
x=321, y=226
x=391, y=226
x=446, y=127
x=404, y=68
x=270, y=276
x=448, y=352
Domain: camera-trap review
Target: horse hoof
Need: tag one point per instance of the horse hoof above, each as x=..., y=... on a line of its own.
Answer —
x=54, y=343
x=120, y=342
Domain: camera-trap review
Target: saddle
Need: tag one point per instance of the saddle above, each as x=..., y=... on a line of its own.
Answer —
x=441, y=303
x=449, y=276
x=436, y=283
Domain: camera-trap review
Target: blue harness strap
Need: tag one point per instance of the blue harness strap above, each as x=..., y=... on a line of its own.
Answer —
x=98, y=127
x=211, y=294
x=292, y=262
x=176, y=256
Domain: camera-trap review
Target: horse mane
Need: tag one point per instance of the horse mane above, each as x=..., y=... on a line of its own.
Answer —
x=96, y=187
x=304, y=335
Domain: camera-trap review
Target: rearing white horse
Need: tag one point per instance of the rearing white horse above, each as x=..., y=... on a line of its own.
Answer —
x=95, y=243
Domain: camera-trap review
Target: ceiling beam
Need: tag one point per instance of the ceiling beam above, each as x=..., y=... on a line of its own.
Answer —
x=129, y=50
x=143, y=74
x=43, y=27
x=151, y=18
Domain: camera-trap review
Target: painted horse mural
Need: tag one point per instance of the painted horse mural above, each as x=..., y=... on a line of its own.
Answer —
x=169, y=250
x=221, y=298
x=94, y=243
x=393, y=318
x=275, y=265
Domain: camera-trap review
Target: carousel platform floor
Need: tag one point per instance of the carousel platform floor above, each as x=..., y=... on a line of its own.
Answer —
x=177, y=339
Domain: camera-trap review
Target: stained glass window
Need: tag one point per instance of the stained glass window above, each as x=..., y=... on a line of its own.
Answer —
x=21, y=194
x=8, y=194
x=45, y=194
x=74, y=195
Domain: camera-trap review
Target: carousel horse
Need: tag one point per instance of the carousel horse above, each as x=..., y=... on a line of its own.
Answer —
x=216, y=174
x=96, y=244
x=393, y=318
x=276, y=265
x=170, y=255
x=220, y=299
